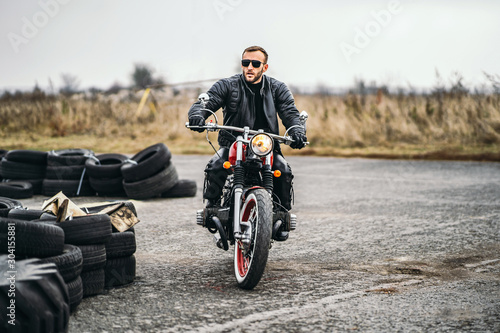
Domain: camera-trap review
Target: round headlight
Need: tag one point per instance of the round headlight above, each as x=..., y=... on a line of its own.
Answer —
x=261, y=144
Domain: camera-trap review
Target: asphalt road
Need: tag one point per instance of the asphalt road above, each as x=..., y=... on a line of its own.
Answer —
x=380, y=246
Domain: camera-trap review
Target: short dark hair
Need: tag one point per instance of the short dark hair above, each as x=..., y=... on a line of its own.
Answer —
x=254, y=49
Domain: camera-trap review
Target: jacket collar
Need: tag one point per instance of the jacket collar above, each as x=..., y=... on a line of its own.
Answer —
x=245, y=84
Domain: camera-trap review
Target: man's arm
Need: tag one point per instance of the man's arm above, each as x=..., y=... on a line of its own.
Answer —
x=285, y=105
x=217, y=93
x=290, y=116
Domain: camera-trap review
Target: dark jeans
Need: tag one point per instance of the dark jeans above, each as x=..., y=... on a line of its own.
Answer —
x=215, y=178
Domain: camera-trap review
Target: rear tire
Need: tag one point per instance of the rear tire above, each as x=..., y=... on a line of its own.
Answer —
x=250, y=260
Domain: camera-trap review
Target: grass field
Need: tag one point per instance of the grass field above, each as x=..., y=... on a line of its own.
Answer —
x=441, y=125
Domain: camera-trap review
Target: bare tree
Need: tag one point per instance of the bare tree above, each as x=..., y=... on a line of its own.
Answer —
x=144, y=76
x=70, y=84
x=495, y=82
x=114, y=89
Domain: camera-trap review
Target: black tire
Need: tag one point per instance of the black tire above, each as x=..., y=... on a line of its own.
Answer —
x=6, y=204
x=25, y=214
x=250, y=260
x=94, y=256
x=37, y=185
x=85, y=230
x=69, y=187
x=149, y=162
x=105, y=166
x=41, y=298
x=69, y=263
x=3, y=152
x=154, y=185
x=107, y=186
x=68, y=157
x=66, y=172
x=93, y=282
x=121, y=244
x=21, y=171
x=31, y=239
x=47, y=217
x=75, y=291
x=27, y=156
x=183, y=188
x=16, y=189
x=120, y=271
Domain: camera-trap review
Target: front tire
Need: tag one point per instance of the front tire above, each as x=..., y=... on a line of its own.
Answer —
x=250, y=259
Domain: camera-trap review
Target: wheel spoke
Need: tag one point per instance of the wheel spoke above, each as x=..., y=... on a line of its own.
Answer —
x=253, y=215
x=243, y=260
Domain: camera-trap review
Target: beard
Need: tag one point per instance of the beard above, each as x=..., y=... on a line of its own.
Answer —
x=257, y=75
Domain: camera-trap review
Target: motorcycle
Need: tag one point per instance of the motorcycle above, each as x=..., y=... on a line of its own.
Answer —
x=247, y=217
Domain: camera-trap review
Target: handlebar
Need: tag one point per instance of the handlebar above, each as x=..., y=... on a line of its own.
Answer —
x=212, y=127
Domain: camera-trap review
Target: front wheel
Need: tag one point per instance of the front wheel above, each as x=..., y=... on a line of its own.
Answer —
x=250, y=258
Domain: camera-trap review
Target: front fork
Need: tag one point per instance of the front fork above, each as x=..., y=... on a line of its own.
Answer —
x=238, y=192
x=239, y=181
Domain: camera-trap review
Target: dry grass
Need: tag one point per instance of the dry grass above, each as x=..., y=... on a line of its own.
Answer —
x=442, y=125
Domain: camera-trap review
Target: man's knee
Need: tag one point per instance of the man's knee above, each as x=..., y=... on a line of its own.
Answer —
x=215, y=175
x=282, y=165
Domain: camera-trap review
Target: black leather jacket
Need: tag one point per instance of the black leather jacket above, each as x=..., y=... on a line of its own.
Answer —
x=235, y=97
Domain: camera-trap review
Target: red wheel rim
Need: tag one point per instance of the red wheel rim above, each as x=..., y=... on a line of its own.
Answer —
x=242, y=260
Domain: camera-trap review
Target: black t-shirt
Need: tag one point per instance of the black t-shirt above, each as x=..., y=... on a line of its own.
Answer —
x=260, y=117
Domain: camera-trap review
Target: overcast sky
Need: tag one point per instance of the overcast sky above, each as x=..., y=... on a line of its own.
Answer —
x=309, y=42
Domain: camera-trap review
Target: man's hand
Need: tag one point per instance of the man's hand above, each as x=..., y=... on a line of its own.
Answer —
x=299, y=140
x=196, y=121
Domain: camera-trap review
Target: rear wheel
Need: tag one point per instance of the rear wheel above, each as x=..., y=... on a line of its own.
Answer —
x=250, y=258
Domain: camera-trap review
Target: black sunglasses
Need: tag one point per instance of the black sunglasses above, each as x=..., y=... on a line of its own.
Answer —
x=255, y=63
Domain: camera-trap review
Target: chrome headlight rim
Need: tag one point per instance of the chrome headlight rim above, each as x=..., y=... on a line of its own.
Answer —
x=268, y=141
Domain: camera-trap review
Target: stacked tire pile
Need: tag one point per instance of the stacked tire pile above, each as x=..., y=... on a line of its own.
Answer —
x=120, y=266
x=149, y=173
x=79, y=172
x=66, y=172
x=87, y=254
x=105, y=174
x=89, y=234
x=120, y=259
x=23, y=172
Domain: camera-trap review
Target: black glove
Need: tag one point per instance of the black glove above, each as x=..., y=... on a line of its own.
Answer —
x=197, y=121
x=299, y=140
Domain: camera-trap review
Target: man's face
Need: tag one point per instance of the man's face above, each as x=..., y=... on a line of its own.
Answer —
x=254, y=74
